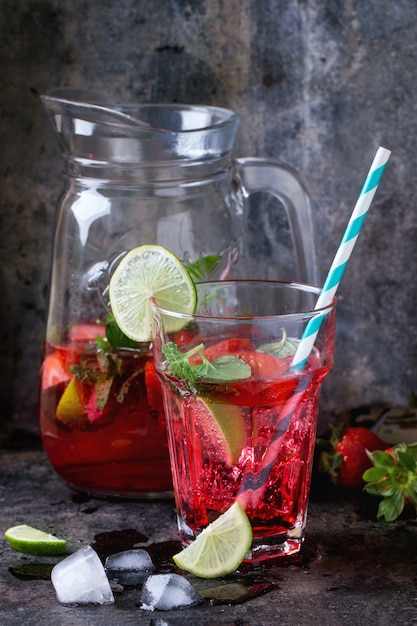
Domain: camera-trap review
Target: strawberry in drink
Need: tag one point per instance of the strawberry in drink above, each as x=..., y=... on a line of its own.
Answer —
x=101, y=415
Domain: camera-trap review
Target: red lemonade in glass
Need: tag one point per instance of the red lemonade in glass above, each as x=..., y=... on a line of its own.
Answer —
x=102, y=418
x=211, y=473
x=241, y=418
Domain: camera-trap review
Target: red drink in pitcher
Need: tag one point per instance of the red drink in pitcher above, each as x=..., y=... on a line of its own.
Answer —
x=102, y=418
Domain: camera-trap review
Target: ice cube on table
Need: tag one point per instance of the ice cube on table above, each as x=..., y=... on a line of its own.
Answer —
x=129, y=567
x=168, y=591
x=81, y=579
x=132, y=560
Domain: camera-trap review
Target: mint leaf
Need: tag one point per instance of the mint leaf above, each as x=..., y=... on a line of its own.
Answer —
x=124, y=388
x=178, y=364
x=116, y=337
x=84, y=374
x=102, y=388
x=224, y=368
x=283, y=348
x=204, y=267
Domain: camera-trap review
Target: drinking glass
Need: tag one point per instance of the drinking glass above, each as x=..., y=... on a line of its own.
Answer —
x=241, y=418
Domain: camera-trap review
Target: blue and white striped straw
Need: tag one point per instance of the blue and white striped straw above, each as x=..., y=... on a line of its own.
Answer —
x=342, y=255
x=253, y=487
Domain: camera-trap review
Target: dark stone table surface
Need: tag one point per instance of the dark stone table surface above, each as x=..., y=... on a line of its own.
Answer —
x=364, y=571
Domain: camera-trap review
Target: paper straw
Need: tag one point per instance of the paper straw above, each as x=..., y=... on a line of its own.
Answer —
x=253, y=486
x=342, y=256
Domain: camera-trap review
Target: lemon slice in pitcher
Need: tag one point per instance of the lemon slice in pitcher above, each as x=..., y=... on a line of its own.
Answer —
x=220, y=548
x=150, y=271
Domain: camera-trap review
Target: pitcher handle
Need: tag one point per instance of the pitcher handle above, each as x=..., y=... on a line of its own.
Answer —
x=283, y=182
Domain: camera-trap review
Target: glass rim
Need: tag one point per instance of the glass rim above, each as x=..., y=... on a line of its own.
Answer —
x=309, y=313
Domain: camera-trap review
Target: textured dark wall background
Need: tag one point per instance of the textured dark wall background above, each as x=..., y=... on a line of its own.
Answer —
x=318, y=84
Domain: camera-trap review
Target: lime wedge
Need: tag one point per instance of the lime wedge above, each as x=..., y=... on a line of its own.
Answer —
x=220, y=548
x=70, y=409
x=33, y=541
x=222, y=425
x=145, y=272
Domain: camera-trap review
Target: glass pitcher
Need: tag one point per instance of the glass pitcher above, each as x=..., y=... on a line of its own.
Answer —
x=135, y=174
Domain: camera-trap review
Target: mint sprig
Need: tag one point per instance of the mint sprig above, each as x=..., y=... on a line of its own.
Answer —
x=115, y=337
x=394, y=478
x=227, y=368
x=104, y=369
x=281, y=349
x=203, y=268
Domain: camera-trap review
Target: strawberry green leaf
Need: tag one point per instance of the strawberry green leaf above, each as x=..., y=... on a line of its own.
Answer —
x=406, y=460
x=373, y=474
x=394, y=478
x=411, y=449
x=390, y=508
x=381, y=458
x=412, y=496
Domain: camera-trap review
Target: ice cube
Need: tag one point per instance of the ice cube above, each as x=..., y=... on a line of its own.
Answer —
x=81, y=579
x=168, y=591
x=132, y=560
x=129, y=567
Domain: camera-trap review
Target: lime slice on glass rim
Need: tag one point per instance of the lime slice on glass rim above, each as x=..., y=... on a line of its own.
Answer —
x=220, y=548
x=30, y=540
x=150, y=271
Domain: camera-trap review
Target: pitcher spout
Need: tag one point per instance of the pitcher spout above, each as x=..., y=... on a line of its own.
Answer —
x=89, y=126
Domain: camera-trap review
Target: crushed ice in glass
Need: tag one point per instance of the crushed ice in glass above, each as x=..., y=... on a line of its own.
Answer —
x=129, y=567
x=81, y=579
x=168, y=591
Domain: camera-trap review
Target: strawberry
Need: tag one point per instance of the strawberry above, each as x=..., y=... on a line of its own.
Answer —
x=223, y=348
x=345, y=456
x=263, y=365
x=54, y=370
x=393, y=476
x=86, y=333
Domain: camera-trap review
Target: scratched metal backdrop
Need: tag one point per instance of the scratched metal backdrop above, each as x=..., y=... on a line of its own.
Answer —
x=318, y=84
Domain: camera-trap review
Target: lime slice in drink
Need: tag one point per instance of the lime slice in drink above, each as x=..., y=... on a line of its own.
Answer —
x=33, y=541
x=145, y=272
x=222, y=426
x=220, y=548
